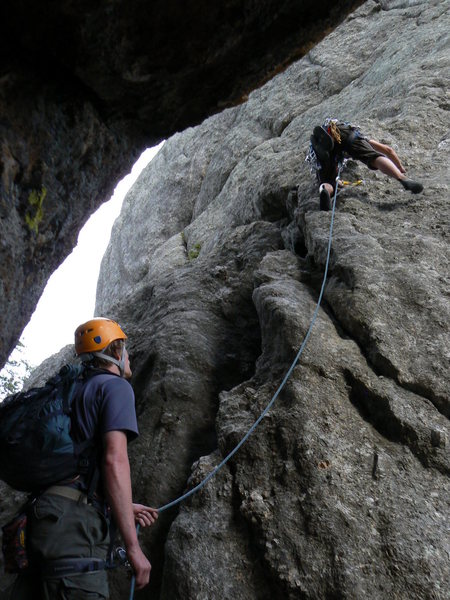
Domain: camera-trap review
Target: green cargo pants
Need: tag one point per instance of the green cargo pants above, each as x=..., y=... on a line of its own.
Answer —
x=63, y=528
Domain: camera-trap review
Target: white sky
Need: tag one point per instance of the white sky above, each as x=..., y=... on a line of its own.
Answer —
x=63, y=304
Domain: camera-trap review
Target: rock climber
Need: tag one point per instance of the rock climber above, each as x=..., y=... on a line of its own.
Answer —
x=334, y=139
x=70, y=521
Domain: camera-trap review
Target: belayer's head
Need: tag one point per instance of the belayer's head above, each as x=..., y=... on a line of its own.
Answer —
x=101, y=343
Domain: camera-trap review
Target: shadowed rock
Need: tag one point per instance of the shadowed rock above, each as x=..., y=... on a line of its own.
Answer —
x=214, y=268
x=86, y=86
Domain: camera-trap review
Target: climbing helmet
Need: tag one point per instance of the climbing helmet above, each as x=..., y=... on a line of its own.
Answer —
x=96, y=334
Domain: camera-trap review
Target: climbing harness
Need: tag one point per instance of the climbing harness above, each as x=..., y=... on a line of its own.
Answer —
x=312, y=160
x=280, y=387
x=63, y=567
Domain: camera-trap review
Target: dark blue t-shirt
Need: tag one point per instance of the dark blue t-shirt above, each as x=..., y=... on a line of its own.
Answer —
x=105, y=402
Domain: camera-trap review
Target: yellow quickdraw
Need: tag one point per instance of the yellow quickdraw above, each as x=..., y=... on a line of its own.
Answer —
x=351, y=183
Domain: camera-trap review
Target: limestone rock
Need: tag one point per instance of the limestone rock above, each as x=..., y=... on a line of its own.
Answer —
x=85, y=87
x=214, y=269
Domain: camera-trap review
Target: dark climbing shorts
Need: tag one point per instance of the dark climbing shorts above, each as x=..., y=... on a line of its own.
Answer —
x=353, y=145
x=360, y=149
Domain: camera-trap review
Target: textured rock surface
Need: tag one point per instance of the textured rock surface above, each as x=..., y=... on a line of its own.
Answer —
x=58, y=162
x=214, y=269
x=84, y=87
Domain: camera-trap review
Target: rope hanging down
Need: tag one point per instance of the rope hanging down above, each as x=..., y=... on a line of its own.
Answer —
x=280, y=387
x=282, y=384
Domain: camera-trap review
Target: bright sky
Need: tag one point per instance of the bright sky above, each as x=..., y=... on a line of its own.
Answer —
x=63, y=306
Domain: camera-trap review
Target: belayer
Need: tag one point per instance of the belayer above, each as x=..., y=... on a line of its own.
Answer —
x=333, y=140
x=69, y=523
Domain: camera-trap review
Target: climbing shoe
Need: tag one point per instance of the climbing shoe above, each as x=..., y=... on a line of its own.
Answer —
x=325, y=202
x=322, y=144
x=412, y=186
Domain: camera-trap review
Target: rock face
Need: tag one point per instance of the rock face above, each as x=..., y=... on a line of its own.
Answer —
x=214, y=269
x=85, y=87
x=58, y=162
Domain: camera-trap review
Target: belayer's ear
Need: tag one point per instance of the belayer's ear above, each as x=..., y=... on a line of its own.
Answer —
x=117, y=354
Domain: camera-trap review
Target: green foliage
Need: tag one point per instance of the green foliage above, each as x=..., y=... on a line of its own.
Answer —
x=194, y=251
x=36, y=200
x=14, y=373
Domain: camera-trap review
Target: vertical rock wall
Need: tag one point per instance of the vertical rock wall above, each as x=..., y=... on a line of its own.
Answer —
x=214, y=269
x=58, y=161
x=85, y=87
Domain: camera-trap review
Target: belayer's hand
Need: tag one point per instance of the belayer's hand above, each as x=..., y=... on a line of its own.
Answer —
x=144, y=515
x=140, y=565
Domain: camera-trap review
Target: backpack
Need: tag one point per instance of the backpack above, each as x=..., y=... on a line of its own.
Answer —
x=320, y=153
x=36, y=448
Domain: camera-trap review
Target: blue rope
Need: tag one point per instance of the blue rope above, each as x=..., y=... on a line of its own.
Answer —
x=133, y=578
x=277, y=393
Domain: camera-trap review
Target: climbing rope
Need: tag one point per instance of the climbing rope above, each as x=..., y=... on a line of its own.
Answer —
x=280, y=387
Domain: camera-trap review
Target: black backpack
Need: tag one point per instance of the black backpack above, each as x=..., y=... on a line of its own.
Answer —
x=36, y=448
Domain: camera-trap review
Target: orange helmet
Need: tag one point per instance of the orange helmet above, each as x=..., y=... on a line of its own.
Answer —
x=96, y=334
